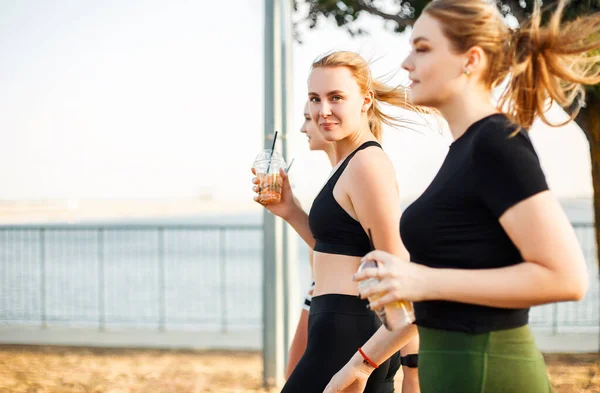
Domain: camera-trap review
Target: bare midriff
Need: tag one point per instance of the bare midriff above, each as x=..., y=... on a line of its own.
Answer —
x=333, y=274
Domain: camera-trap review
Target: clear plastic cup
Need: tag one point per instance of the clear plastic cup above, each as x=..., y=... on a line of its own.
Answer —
x=394, y=315
x=267, y=165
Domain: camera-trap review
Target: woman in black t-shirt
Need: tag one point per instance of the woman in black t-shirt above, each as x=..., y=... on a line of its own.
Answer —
x=488, y=239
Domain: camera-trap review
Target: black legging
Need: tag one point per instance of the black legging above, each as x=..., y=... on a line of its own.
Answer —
x=337, y=326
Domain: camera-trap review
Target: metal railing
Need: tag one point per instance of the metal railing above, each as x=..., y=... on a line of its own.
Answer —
x=174, y=277
x=575, y=316
x=189, y=276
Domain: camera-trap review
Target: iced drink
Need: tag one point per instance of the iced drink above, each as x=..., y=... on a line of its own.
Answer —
x=393, y=315
x=267, y=165
x=270, y=188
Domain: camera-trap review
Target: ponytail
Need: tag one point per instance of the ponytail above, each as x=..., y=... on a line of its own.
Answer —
x=551, y=64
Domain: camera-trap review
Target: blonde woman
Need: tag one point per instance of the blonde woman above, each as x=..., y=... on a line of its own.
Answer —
x=316, y=142
x=361, y=193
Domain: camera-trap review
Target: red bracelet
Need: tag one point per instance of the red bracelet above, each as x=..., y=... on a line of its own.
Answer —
x=366, y=359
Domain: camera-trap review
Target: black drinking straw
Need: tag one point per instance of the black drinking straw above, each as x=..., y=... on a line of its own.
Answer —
x=371, y=239
x=272, y=150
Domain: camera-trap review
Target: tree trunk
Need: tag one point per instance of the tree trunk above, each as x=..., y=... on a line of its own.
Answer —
x=589, y=121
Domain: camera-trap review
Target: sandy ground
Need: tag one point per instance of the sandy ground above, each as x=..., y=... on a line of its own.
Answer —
x=78, y=370
x=45, y=369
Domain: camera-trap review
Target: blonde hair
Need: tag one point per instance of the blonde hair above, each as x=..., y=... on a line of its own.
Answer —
x=545, y=64
x=396, y=96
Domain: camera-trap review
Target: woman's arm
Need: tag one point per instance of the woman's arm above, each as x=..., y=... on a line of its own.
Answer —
x=298, y=345
x=371, y=188
x=383, y=344
x=298, y=219
x=554, y=268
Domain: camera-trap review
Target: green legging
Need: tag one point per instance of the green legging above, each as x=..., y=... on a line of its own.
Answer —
x=504, y=361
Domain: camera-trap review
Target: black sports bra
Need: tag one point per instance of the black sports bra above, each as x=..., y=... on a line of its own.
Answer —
x=335, y=231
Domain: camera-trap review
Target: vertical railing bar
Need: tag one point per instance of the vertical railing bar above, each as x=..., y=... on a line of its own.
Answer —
x=162, y=305
x=222, y=271
x=101, y=305
x=43, y=277
x=554, y=318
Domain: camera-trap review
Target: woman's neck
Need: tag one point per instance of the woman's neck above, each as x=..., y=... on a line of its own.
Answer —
x=331, y=156
x=465, y=109
x=343, y=147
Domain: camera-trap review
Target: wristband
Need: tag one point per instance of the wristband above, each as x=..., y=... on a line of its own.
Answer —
x=366, y=359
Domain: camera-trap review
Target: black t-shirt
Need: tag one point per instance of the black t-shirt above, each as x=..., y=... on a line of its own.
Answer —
x=454, y=224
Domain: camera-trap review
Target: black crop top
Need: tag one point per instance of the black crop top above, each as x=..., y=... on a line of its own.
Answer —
x=454, y=223
x=335, y=231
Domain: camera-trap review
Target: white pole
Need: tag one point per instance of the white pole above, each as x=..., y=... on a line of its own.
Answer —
x=273, y=328
x=291, y=302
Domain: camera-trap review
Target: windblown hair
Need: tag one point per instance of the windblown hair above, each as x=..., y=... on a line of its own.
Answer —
x=545, y=64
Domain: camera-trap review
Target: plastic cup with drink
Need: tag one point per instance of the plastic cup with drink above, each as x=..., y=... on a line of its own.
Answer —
x=394, y=315
x=266, y=166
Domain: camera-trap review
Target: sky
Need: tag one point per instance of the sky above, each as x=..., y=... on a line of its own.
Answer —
x=149, y=100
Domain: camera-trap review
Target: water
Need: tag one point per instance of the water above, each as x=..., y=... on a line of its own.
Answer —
x=134, y=278
x=186, y=279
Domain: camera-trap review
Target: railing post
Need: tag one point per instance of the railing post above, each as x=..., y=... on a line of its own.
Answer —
x=43, y=277
x=161, y=281
x=222, y=273
x=101, y=311
x=554, y=318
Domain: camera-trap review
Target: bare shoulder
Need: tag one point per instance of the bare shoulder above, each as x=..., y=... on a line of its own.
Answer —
x=369, y=163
